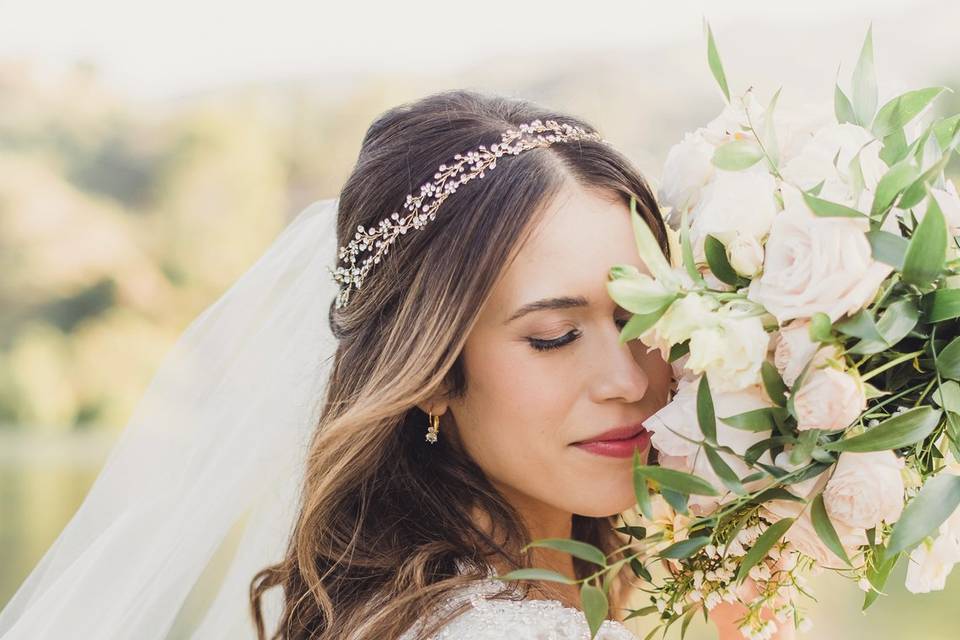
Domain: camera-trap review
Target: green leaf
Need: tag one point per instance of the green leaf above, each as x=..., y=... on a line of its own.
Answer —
x=900, y=110
x=842, y=107
x=865, y=82
x=638, y=324
x=640, y=571
x=888, y=248
x=675, y=499
x=582, y=550
x=948, y=396
x=756, y=420
x=595, y=606
x=716, y=254
x=770, y=143
x=737, y=155
x=900, y=430
x=536, y=574
x=942, y=304
x=706, y=416
x=899, y=177
x=773, y=384
x=924, y=514
x=860, y=325
x=916, y=192
x=685, y=548
x=640, y=490
x=724, y=472
x=716, y=67
x=948, y=360
x=894, y=148
x=825, y=529
x=927, y=252
x=944, y=130
x=678, y=480
x=650, y=251
x=640, y=295
x=762, y=546
x=686, y=249
x=877, y=574
x=897, y=321
x=827, y=209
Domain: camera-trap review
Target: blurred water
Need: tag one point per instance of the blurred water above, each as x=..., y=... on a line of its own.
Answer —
x=44, y=479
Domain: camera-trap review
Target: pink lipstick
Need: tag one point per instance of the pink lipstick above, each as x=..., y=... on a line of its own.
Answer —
x=617, y=443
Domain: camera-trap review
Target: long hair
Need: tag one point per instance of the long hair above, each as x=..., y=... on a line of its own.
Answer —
x=386, y=526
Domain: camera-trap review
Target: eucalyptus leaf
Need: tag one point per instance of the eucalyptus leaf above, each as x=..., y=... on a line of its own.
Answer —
x=576, y=548
x=706, y=416
x=737, y=155
x=756, y=420
x=773, y=384
x=927, y=251
x=595, y=606
x=716, y=66
x=930, y=508
x=685, y=548
x=537, y=574
x=678, y=480
x=724, y=472
x=824, y=528
x=640, y=490
x=899, y=430
x=948, y=360
x=762, y=546
x=888, y=248
x=827, y=209
x=900, y=110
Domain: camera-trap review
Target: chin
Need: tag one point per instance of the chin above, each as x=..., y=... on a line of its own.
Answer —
x=606, y=499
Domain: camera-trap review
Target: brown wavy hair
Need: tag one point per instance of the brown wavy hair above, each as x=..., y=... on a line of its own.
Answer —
x=386, y=526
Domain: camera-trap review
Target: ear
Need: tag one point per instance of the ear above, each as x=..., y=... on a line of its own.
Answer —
x=437, y=404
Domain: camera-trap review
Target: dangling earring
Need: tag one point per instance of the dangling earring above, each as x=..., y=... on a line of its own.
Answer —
x=433, y=429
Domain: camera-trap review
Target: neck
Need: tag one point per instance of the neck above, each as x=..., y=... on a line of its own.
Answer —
x=544, y=521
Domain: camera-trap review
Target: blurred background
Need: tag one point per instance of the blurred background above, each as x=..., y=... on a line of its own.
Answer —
x=150, y=152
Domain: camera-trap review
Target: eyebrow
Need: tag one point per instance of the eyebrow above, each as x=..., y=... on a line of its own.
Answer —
x=562, y=302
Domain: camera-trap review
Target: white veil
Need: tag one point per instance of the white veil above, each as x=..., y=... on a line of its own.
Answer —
x=210, y=462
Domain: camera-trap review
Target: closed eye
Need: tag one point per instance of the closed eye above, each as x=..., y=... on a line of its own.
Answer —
x=555, y=343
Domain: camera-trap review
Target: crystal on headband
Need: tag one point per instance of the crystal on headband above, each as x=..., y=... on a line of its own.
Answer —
x=422, y=207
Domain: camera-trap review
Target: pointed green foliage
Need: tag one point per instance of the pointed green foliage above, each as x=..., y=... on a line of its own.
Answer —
x=716, y=254
x=842, y=107
x=650, y=251
x=899, y=430
x=948, y=360
x=825, y=529
x=762, y=546
x=706, y=416
x=769, y=136
x=877, y=573
x=678, y=480
x=716, y=67
x=737, y=155
x=773, y=384
x=640, y=490
x=888, y=248
x=865, y=83
x=723, y=471
x=827, y=209
x=893, y=182
x=685, y=548
x=897, y=321
x=901, y=110
x=638, y=324
x=941, y=305
x=537, y=574
x=595, y=606
x=756, y=420
x=686, y=249
x=927, y=251
x=582, y=550
x=924, y=514
x=641, y=295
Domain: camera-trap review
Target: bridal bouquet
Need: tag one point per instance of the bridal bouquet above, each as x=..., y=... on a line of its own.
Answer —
x=811, y=315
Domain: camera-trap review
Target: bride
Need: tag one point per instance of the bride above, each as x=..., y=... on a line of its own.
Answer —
x=371, y=424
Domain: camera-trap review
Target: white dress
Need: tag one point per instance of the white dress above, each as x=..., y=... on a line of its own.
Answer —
x=502, y=619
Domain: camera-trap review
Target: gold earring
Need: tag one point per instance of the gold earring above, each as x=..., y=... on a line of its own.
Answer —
x=433, y=429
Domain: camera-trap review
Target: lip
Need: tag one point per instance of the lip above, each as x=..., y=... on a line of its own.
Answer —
x=619, y=442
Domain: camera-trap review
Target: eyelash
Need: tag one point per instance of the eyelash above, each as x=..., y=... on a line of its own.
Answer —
x=556, y=343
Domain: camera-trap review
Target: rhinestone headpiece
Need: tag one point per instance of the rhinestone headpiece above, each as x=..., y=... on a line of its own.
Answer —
x=423, y=207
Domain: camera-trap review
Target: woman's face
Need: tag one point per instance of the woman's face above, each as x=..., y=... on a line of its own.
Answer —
x=545, y=370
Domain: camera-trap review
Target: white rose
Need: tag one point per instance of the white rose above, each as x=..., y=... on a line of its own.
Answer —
x=677, y=324
x=828, y=399
x=803, y=536
x=745, y=255
x=678, y=420
x=731, y=351
x=932, y=561
x=865, y=489
x=815, y=161
x=794, y=349
x=816, y=264
x=686, y=171
x=734, y=204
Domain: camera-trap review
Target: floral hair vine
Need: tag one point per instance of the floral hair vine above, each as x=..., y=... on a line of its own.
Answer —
x=376, y=240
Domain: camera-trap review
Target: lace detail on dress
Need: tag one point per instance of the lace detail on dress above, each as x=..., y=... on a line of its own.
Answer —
x=499, y=619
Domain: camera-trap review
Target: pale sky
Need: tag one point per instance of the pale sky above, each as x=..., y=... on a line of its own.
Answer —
x=163, y=49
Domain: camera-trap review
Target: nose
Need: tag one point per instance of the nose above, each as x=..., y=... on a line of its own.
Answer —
x=618, y=375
